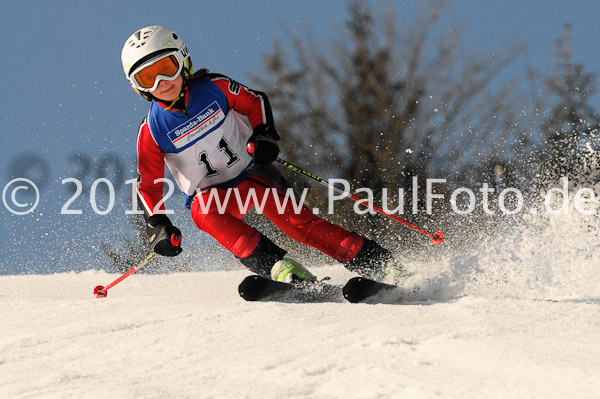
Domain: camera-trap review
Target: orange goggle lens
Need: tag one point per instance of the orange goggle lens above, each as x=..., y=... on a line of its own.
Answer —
x=168, y=67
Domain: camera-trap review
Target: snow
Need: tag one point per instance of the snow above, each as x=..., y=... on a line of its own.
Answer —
x=189, y=335
x=515, y=313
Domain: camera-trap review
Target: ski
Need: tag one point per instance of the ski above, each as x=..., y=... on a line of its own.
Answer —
x=258, y=288
x=361, y=289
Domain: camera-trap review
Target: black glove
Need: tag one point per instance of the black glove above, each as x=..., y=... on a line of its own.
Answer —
x=263, y=144
x=164, y=237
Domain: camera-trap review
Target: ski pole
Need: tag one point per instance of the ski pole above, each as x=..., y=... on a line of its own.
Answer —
x=101, y=291
x=436, y=238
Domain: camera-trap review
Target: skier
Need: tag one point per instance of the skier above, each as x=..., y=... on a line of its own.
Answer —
x=191, y=127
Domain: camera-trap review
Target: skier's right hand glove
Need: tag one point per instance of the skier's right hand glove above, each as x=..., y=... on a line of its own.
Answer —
x=165, y=238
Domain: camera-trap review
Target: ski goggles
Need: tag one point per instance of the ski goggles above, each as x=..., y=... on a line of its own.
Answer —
x=147, y=77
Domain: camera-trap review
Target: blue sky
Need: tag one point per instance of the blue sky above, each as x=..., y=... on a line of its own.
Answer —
x=64, y=92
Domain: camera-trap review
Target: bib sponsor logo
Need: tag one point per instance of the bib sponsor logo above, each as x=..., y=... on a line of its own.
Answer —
x=197, y=126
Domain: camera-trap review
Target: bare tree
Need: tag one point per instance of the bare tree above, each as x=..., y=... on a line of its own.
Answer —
x=378, y=106
x=572, y=123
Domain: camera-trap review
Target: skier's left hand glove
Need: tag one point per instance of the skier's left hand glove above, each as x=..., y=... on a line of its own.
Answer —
x=164, y=237
x=263, y=144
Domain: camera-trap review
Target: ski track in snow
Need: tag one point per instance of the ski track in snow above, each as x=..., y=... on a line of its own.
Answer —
x=189, y=335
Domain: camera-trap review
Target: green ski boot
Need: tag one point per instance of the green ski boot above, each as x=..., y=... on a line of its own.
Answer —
x=394, y=275
x=289, y=270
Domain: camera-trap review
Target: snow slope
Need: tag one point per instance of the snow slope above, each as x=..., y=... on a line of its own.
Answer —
x=509, y=315
x=189, y=335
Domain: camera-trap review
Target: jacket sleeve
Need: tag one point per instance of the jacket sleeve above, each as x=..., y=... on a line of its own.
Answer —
x=251, y=103
x=151, y=166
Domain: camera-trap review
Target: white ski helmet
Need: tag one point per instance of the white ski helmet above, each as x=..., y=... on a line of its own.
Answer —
x=149, y=45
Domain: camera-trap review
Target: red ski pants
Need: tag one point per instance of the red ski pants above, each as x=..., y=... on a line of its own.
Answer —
x=222, y=213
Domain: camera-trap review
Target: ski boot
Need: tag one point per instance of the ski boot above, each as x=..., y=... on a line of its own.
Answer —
x=392, y=274
x=289, y=270
x=377, y=263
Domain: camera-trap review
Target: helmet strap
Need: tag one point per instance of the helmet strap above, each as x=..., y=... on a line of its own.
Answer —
x=179, y=97
x=147, y=96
